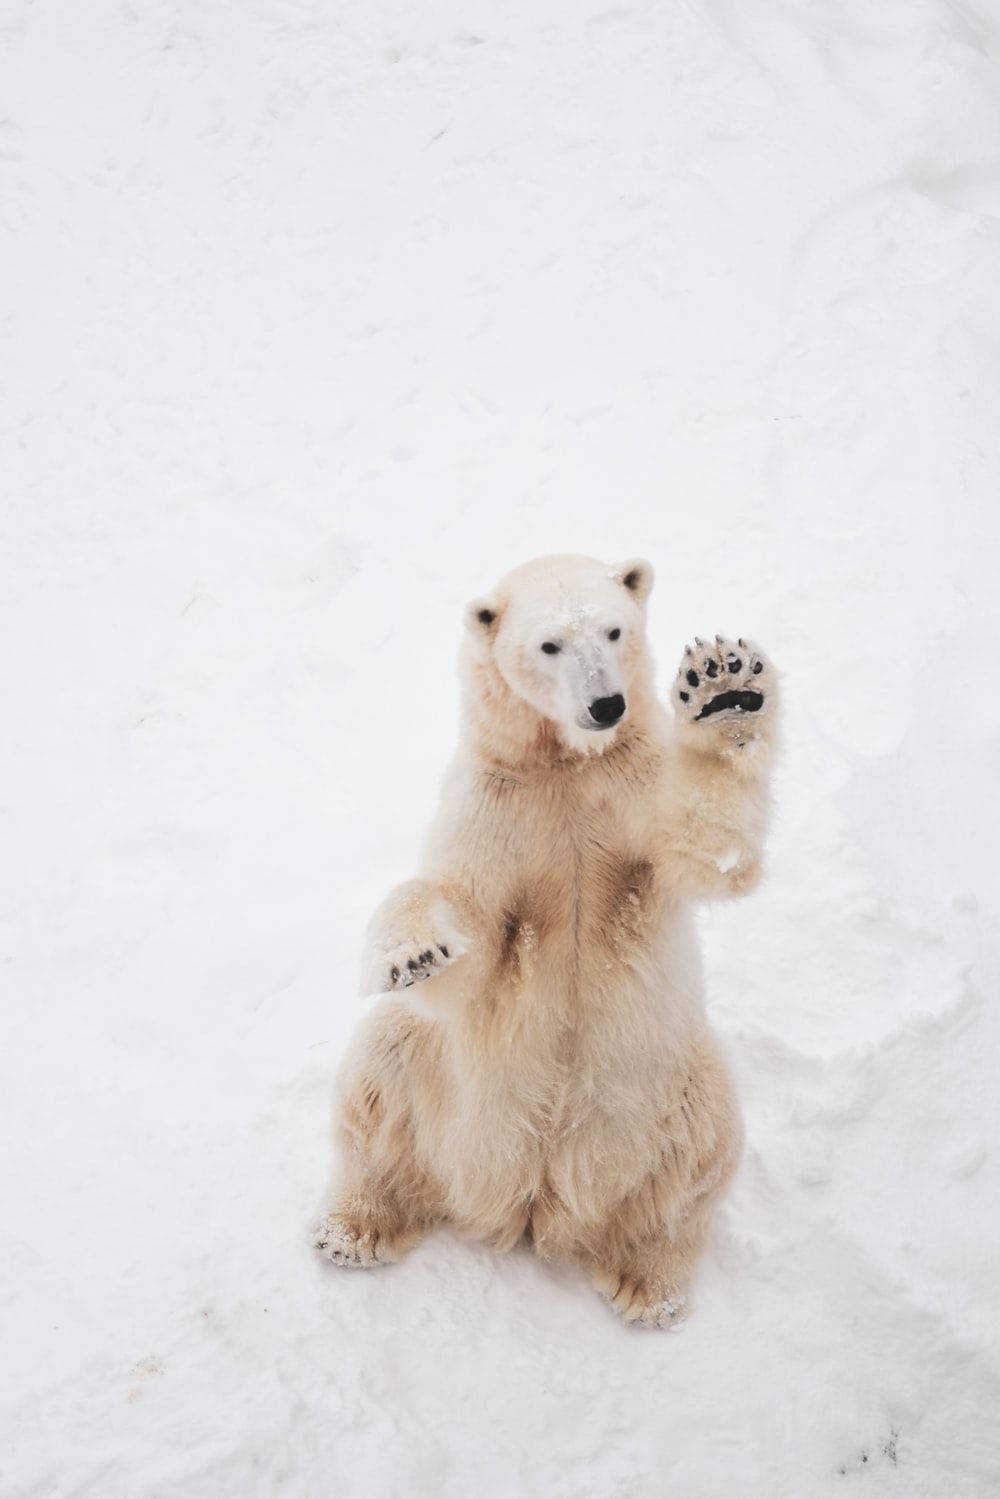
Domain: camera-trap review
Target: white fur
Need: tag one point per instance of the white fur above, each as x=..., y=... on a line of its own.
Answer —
x=545, y=1066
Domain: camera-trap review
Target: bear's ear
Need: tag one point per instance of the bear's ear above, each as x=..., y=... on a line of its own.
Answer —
x=637, y=576
x=482, y=617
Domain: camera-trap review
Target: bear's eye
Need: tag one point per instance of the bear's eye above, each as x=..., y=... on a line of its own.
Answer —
x=614, y=634
x=550, y=648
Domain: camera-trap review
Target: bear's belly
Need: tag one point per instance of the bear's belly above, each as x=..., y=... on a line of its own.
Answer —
x=560, y=1137
x=572, y=1053
x=570, y=1026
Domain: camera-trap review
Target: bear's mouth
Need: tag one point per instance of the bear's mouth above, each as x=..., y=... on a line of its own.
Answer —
x=745, y=700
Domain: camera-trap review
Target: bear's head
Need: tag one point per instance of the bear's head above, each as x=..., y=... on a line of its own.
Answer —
x=560, y=645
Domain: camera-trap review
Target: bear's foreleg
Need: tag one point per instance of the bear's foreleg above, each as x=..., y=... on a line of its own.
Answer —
x=725, y=706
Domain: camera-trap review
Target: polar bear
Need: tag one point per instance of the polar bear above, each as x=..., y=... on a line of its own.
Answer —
x=541, y=1066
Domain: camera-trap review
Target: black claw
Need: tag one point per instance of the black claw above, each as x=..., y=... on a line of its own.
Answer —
x=692, y=677
x=742, y=642
x=688, y=651
x=684, y=697
x=718, y=639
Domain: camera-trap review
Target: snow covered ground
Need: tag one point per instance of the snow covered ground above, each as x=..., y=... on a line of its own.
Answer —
x=317, y=317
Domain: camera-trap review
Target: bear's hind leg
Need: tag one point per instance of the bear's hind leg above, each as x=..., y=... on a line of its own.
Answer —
x=643, y=1260
x=381, y=1209
x=383, y=1201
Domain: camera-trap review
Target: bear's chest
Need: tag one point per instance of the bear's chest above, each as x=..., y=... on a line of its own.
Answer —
x=584, y=886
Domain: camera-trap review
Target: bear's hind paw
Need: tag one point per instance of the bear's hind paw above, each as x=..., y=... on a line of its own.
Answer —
x=346, y=1243
x=638, y=1305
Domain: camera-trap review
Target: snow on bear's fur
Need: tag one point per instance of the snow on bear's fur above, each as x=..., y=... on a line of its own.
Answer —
x=541, y=1065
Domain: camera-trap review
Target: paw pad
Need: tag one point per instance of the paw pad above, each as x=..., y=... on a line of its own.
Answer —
x=726, y=680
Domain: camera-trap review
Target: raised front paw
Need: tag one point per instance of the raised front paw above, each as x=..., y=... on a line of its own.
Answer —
x=726, y=686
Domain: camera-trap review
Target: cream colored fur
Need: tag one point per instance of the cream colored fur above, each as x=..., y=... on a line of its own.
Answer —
x=543, y=1067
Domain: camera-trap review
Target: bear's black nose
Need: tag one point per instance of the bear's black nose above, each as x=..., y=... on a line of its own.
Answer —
x=607, y=710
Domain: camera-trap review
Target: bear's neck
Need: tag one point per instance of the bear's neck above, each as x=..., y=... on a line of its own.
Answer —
x=507, y=735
